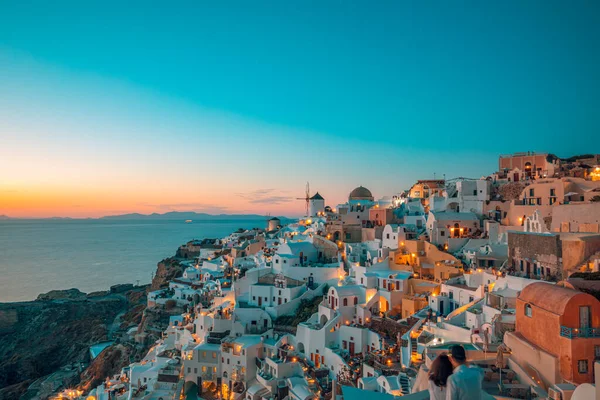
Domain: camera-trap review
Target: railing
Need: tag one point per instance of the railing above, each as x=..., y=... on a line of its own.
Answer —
x=574, y=333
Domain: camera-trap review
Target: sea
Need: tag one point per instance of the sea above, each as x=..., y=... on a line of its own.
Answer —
x=37, y=256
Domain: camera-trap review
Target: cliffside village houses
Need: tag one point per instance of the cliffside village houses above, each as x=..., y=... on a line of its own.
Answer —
x=496, y=264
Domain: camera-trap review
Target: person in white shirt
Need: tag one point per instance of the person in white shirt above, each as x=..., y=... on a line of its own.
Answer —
x=465, y=381
x=441, y=369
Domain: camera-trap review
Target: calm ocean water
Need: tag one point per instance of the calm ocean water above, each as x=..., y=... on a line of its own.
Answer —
x=41, y=255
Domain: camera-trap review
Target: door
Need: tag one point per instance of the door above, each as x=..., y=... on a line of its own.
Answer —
x=351, y=348
x=260, y=301
x=584, y=317
x=279, y=301
x=441, y=307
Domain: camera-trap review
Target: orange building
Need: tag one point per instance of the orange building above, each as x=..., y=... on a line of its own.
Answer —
x=564, y=324
x=530, y=163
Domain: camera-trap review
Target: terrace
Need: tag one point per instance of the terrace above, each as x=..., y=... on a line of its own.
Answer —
x=579, y=333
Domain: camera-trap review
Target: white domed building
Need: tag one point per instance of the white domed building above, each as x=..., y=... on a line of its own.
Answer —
x=355, y=213
x=360, y=194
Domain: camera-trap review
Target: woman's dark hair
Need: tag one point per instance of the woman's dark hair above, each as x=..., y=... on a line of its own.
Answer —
x=441, y=369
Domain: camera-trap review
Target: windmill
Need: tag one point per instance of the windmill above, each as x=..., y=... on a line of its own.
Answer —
x=306, y=198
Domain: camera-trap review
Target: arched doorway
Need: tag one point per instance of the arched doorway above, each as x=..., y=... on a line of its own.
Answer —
x=527, y=168
x=456, y=232
x=384, y=306
x=300, y=347
x=323, y=320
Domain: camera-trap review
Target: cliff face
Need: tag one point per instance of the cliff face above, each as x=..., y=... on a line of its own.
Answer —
x=166, y=270
x=39, y=337
x=108, y=363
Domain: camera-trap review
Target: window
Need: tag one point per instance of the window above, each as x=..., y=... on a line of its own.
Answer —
x=442, y=233
x=471, y=299
x=203, y=369
x=597, y=352
x=585, y=317
x=345, y=302
x=387, y=236
x=528, y=310
x=280, y=292
x=203, y=354
x=475, y=192
x=189, y=370
x=195, y=370
x=214, y=355
x=531, y=192
x=355, y=300
x=582, y=366
x=451, y=295
x=552, y=192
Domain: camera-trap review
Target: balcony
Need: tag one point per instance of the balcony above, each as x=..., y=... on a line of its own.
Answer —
x=579, y=333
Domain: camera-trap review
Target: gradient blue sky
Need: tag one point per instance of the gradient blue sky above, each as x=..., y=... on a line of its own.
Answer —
x=233, y=106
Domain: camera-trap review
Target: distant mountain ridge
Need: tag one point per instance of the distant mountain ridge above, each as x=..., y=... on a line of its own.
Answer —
x=186, y=215
x=182, y=215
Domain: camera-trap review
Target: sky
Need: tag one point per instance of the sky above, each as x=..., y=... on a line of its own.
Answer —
x=231, y=107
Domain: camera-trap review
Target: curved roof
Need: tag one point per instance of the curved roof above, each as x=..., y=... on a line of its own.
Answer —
x=549, y=297
x=360, y=193
x=317, y=196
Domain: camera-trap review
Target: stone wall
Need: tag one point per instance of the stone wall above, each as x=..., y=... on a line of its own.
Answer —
x=543, y=248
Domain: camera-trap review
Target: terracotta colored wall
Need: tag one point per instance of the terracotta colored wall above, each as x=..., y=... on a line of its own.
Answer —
x=537, y=161
x=581, y=348
x=543, y=330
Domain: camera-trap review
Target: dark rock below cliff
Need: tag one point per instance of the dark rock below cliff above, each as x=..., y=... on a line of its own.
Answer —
x=69, y=294
x=39, y=337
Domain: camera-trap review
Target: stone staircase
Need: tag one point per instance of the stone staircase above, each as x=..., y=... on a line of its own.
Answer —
x=404, y=384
